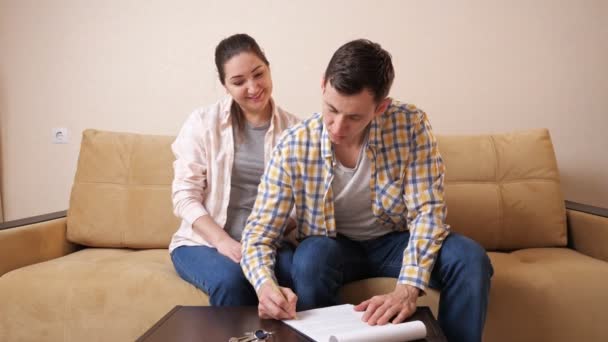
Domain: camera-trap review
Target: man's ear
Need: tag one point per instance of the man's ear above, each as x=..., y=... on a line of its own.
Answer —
x=323, y=83
x=382, y=106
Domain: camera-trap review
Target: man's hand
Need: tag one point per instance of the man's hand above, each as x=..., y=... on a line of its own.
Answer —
x=276, y=302
x=401, y=304
x=229, y=247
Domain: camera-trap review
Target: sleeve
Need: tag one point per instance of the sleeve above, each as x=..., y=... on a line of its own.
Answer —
x=266, y=224
x=190, y=171
x=424, y=199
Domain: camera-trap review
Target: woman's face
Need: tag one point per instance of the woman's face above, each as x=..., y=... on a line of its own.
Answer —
x=248, y=81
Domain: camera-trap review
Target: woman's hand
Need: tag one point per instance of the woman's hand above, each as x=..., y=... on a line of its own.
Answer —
x=206, y=227
x=230, y=248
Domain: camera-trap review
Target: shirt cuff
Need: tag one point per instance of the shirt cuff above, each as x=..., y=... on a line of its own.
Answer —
x=415, y=276
x=262, y=276
x=194, y=212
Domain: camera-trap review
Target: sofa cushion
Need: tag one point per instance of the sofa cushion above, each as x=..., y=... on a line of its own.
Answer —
x=547, y=294
x=533, y=292
x=121, y=196
x=92, y=295
x=503, y=190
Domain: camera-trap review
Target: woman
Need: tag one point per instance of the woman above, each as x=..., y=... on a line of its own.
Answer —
x=220, y=155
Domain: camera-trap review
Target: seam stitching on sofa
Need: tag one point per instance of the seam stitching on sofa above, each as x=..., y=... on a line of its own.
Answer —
x=515, y=181
x=66, y=310
x=123, y=184
x=129, y=179
x=499, y=190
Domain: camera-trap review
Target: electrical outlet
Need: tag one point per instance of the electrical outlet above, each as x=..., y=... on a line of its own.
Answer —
x=60, y=136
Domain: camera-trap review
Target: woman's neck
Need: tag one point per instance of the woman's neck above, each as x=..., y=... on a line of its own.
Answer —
x=257, y=119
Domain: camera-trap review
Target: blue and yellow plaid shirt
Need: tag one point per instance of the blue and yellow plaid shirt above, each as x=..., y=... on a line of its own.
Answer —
x=406, y=191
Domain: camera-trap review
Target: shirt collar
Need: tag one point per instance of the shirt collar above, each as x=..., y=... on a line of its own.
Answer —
x=374, y=138
x=375, y=130
x=226, y=104
x=326, y=148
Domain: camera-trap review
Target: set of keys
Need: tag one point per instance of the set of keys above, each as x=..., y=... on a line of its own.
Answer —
x=253, y=336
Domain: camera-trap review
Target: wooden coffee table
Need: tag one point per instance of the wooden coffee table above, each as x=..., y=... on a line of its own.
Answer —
x=218, y=324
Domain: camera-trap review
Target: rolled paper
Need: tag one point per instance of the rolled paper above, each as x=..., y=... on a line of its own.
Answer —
x=408, y=331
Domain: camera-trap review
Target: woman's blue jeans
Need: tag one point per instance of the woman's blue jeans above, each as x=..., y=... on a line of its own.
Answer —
x=462, y=271
x=221, y=278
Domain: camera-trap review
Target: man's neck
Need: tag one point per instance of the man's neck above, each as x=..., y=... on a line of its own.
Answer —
x=347, y=153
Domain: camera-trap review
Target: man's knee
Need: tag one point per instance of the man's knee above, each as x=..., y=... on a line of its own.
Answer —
x=317, y=272
x=468, y=253
x=317, y=245
x=315, y=255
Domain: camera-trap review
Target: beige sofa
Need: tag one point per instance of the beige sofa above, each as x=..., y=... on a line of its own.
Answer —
x=103, y=272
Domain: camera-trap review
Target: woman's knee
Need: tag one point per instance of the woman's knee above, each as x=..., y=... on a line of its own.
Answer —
x=220, y=278
x=231, y=288
x=232, y=279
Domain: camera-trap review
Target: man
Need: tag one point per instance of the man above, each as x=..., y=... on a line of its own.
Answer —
x=366, y=180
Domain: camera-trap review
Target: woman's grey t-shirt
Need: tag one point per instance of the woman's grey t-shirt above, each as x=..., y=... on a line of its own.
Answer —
x=247, y=170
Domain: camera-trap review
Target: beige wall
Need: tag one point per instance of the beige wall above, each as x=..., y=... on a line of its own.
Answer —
x=475, y=66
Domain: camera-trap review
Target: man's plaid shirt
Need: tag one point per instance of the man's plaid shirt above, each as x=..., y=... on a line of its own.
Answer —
x=406, y=191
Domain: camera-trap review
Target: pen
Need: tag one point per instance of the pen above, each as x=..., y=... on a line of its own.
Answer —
x=276, y=288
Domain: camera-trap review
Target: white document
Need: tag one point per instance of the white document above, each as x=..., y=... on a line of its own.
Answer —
x=341, y=323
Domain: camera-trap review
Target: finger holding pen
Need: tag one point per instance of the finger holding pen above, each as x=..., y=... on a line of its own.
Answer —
x=276, y=302
x=291, y=298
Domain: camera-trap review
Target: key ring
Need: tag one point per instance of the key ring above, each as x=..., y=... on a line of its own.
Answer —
x=262, y=335
x=254, y=336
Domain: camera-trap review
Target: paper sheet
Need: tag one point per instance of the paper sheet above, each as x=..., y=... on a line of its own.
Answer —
x=341, y=323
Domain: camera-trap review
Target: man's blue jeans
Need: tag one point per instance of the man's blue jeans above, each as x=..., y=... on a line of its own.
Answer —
x=221, y=278
x=462, y=271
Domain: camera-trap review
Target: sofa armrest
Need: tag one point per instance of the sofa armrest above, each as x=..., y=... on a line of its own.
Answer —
x=32, y=240
x=588, y=229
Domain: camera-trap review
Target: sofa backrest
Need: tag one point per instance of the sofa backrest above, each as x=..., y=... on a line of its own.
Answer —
x=502, y=190
x=121, y=195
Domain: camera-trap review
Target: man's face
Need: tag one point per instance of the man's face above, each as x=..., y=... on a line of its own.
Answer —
x=347, y=116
